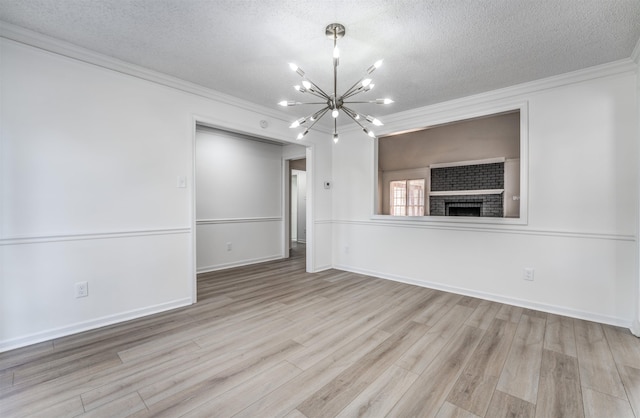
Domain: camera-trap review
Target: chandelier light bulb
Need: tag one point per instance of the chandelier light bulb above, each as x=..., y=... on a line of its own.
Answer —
x=373, y=120
x=306, y=84
x=285, y=103
x=335, y=138
x=293, y=66
x=366, y=82
x=335, y=113
x=302, y=134
x=298, y=123
x=375, y=66
x=368, y=132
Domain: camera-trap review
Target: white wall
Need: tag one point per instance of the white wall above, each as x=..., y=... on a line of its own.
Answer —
x=239, y=195
x=90, y=159
x=301, y=205
x=582, y=205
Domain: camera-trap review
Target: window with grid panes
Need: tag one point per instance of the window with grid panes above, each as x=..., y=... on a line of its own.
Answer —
x=407, y=197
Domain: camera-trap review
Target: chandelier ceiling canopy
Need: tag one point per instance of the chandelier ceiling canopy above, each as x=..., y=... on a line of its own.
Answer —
x=331, y=100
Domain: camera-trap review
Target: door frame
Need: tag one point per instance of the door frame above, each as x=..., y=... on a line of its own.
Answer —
x=308, y=154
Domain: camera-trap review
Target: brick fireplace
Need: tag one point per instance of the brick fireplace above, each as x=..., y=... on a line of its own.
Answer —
x=467, y=189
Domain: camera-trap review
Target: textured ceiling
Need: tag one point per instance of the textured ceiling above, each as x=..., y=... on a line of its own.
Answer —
x=434, y=50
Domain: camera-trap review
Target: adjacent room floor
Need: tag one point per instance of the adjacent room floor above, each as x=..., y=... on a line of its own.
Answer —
x=272, y=340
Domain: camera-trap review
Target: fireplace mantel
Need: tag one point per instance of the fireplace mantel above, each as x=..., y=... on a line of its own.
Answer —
x=466, y=192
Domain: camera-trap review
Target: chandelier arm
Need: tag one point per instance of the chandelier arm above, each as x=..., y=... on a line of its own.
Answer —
x=317, y=94
x=368, y=101
x=350, y=90
x=354, y=92
x=325, y=110
x=319, y=90
x=349, y=112
x=311, y=103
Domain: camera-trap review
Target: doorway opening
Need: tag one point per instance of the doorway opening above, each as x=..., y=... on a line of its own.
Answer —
x=240, y=200
x=298, y=207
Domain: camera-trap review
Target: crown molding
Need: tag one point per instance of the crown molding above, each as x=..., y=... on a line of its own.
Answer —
x=512, y=93
x=69, y=50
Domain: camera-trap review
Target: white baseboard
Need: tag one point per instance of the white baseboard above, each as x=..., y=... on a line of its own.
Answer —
x=91, y=324
x=240, y=263
x=559, y=310
x=318, y=269
x=635, y=328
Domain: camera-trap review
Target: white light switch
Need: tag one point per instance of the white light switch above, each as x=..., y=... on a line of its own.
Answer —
x=182, y=182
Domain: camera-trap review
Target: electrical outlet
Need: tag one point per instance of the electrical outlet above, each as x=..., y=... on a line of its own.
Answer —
x=82, y=289
x=229, y=246
x=528, y=274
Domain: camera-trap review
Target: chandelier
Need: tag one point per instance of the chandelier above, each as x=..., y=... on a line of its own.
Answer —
x=331, y=101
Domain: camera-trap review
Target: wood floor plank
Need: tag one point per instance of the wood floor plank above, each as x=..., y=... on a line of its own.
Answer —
x=121, y=407
x=142, y=375
x=287, y=397
x=597, y=368
x=162, y=348
x=449, y=410
x=505, y=405
x=407, y=310
x=510, y=313
x=316, y=348
x=474, y=387
x=598, y=405
x=339, y=392
x=380, y=396
x=425, y=397
x=469, y=301
x=559, y=335
x=631, y=380
x=46, y=408
x=6, y=380
x=420, y=356
x=169, y=395
x=624, y=347
x=241, y=396
x=441, y=304
x=13, y=358
x=521, y=371
x=559, y=393
x=295, y=414
x=483, y=315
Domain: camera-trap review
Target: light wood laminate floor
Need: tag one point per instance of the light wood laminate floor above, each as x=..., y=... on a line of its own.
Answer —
x=271, y=340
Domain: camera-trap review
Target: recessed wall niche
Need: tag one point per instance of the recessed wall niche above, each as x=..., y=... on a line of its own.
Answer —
x=469, y=168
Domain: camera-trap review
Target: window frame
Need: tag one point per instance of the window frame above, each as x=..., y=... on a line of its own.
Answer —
x=406, y=198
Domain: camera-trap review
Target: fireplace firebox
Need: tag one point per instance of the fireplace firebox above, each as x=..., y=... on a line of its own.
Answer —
x=463, y=208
